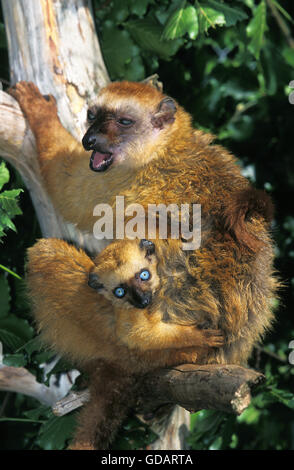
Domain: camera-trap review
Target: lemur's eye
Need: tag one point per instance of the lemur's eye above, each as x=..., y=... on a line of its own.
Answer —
x=91, y=115
x=119, y=292
x=125, y=122
x=144, y=275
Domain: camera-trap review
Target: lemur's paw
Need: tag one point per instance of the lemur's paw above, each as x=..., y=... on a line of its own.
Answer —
x=214, y=338
x=33, y=104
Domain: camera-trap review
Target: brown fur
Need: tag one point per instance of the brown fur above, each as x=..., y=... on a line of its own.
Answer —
x=246, y=205
x=172, y=164
x=228, y=283
x=103, y=337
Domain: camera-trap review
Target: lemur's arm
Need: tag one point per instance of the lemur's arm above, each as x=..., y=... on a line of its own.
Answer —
x=148, y=332
x=63, y=161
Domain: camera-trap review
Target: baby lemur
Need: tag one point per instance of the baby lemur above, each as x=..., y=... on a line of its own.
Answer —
x=105, y=316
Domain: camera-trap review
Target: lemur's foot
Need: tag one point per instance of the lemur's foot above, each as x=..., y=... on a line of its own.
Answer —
x=33, y=104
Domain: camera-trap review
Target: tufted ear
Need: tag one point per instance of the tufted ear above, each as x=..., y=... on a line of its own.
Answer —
x=148, y=246
x=165, y=113
x=93, y=281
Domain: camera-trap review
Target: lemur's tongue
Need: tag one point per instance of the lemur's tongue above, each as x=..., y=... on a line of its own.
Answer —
x=100, y=161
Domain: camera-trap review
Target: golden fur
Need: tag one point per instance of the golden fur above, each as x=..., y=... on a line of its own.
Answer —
x=69, y=313
x=110, y=342
x=226, y=284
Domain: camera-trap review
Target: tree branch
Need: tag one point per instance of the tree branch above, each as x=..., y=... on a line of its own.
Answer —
x=193, y=387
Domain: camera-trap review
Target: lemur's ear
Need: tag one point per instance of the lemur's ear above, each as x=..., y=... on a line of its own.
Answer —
x=153, y=80
x=93, y=281
x=148, y=246
x=165, y=113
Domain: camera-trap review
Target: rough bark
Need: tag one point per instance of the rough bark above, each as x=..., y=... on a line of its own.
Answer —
x=193, y=387
x=47, y=41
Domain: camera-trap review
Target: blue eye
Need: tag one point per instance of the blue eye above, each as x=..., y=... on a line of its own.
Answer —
x=145, y=275
x=119, y=292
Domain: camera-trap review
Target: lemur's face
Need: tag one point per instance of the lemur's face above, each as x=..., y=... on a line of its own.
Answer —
x=126, y=273
x=126, y=124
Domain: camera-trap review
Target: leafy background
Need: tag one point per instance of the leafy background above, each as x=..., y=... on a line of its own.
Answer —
x=230, y=65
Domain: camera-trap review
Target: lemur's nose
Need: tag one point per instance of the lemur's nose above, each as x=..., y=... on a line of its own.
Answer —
x=89, y=141
x=146, y=299
x=139, y=298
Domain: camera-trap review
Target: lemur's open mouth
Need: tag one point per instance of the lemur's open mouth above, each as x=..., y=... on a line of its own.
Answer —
x=100, y=161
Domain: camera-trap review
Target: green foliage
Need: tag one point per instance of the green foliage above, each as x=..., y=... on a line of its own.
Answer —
x=9, y=207
x=230, y=64
x=182, y=21
x=254, y=428
x=256, y=29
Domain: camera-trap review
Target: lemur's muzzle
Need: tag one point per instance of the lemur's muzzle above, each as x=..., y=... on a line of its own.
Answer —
x=140, y=298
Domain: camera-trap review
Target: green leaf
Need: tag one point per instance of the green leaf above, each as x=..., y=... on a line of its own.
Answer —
x=231, y=15
x=17, y=326
x=147, y=34
x=4, y=175
x=5, y=222
x=119, y=51
x=119, y=11
x=4, y=296
x=54, y=434
x=182, y=21
x=250, y=416
x=209, y=17
x=42, y=411
x=10, y=341
x=8, y=205
x=9, y=202
x=139, y=8
x=283, y=396
x=14, y=360
x=270, y=64
x=207, y=420
x=134, y=70
x=256, y=29
x=288, y=54
x=32, y=346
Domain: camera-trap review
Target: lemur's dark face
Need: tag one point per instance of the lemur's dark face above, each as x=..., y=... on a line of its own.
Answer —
x=125, y=124
x=126, y=273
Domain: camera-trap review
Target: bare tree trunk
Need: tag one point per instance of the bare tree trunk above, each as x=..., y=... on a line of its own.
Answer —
x=54, y=44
